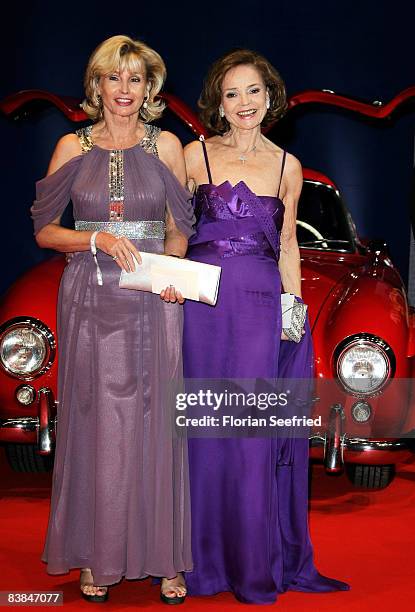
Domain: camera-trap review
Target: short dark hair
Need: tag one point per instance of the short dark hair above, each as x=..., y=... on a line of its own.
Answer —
x=211, y=95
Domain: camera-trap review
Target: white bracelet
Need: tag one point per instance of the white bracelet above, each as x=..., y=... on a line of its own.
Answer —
x=94, y=255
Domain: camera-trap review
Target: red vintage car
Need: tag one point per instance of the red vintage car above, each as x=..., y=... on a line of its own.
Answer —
x=362, y=326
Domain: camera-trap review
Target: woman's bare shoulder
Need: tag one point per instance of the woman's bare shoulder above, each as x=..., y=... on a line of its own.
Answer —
x=293, y=166
x=66, y=149
x=170, y=151
x=193, y=150
x=193, y=155
x=292, y=183
x=168, y=143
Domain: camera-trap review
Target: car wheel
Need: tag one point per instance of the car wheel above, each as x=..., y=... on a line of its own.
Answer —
x=370, y=476
x=25, y=458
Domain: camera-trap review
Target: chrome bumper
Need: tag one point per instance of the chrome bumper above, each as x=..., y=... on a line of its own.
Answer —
x=336, y=448
x=44, y=424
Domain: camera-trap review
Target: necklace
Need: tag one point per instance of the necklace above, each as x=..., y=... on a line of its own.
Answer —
x=243, y=156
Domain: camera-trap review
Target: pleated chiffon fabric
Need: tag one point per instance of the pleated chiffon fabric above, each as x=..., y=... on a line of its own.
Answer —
x=120, y=499
x=249, y=496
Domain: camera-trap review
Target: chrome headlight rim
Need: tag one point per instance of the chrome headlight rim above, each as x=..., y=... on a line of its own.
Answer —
x=362, y=339
x=49, y=341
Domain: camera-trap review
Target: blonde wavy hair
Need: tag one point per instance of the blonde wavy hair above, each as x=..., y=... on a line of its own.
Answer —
x=123, y=53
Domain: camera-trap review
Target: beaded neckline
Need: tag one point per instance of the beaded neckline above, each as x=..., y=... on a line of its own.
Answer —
x=148, y=142
x=116, y=191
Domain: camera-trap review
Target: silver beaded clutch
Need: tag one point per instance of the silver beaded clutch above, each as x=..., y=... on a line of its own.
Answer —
x=293, y=316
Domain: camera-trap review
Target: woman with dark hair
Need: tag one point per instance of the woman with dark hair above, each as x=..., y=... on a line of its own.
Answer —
x=120, y=499
x=249, y=495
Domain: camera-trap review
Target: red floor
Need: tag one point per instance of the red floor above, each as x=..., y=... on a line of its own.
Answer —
x=367, y=539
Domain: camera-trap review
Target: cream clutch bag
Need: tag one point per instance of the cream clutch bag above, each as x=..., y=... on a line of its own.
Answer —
x=293, y=316
x=195, y=281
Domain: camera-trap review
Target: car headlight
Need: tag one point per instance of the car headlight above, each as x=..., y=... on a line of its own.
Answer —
x=27, y=347
x=364, y=364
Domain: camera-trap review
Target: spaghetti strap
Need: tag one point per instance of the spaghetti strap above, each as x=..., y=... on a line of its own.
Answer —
x=282, y=172
x=202, y=140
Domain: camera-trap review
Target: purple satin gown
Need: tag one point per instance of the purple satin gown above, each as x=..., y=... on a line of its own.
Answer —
x=249, y=496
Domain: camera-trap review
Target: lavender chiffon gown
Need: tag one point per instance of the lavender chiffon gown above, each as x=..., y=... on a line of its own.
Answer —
x=120, y=498
x=249, y=496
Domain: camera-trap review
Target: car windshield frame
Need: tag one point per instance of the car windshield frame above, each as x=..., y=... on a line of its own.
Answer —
x=352, y=244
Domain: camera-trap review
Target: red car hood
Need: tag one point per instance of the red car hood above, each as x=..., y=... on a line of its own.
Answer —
x=320, y=273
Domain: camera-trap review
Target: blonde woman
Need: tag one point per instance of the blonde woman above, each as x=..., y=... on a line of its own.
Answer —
x=120, y=498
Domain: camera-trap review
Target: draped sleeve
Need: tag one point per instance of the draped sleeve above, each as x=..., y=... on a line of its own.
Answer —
x=53, y=194
x=179, y=202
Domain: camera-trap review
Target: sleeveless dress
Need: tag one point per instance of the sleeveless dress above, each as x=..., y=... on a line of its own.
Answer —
x=120, y=498
x=249, y=496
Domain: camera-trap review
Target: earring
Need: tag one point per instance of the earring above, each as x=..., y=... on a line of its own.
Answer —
x=221, y=110
x=267, y=101
x=145, y=105
x=100, y=106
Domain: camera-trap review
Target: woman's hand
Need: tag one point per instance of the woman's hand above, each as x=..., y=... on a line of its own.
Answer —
x=170, y=294
x=121, y=250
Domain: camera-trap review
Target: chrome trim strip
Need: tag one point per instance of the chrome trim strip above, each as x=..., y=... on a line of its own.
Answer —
x=318, y=248
x=134, y=230
x=359, y=445
x=25, y=423
x=364, y=445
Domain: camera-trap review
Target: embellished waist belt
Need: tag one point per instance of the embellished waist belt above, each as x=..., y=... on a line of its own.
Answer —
x=134, y=230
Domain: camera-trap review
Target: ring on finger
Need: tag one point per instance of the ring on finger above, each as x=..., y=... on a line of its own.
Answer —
x=115, y=257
